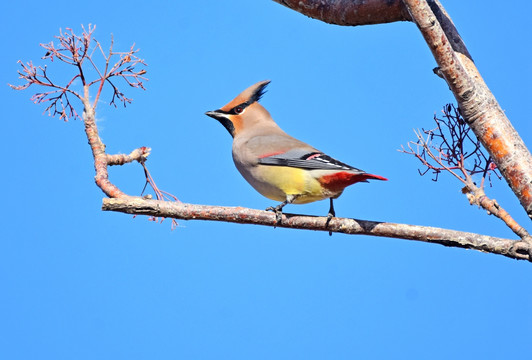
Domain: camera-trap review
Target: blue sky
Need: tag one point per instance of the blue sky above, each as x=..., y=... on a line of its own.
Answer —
x=78, y=283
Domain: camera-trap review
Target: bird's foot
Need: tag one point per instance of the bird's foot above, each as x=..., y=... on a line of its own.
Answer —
x=329, y=218
x=278, y=210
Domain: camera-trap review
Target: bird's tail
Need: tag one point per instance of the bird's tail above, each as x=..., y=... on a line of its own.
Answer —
x=340, y=180
x=367, y=176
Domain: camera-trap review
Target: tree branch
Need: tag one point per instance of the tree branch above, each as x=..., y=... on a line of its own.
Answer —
x=98, y=152
x=350, y=12
x=140, y=155
x=178, y=210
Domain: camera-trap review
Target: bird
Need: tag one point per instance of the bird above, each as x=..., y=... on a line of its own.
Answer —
x=277, y=165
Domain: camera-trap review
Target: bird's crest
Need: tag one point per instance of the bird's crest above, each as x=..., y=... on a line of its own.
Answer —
x=259, y=91
x=248, y=96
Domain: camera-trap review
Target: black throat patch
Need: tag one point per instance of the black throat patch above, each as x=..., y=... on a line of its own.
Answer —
x=227, y=124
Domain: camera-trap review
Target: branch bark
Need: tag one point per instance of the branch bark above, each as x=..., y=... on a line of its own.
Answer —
x=139, y=206
x=350, y=12
x=98, y=151
x=477, y=104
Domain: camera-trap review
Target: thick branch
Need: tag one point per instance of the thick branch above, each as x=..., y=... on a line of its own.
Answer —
x=350, y=12
x=178, y=210
x=477, y=104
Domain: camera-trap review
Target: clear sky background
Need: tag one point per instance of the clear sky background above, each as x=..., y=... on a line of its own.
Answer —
x=79, y=283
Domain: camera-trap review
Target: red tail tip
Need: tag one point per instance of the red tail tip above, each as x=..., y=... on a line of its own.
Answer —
x=375, y=177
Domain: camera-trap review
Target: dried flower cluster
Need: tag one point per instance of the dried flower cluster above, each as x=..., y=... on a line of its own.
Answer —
x=79, y=52
x=452, y=147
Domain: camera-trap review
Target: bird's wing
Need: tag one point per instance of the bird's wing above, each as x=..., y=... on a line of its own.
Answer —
x=305, y=159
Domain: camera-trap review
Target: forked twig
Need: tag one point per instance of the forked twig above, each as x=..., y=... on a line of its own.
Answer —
x=451, y=147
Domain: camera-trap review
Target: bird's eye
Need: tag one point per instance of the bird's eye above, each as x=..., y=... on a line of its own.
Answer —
x=239, y=109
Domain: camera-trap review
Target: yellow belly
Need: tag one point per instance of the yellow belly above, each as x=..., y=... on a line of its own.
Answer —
x=285, y=181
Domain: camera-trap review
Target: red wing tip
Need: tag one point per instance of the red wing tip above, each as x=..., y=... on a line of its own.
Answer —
x=271, y=154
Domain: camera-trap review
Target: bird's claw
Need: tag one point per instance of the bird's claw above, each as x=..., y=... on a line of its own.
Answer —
x=329, y=218
x=278, y=213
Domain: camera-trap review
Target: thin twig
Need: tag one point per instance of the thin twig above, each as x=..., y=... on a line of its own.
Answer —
x=446, y=149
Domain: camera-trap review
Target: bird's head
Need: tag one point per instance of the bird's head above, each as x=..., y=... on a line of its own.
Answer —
x=242, y=111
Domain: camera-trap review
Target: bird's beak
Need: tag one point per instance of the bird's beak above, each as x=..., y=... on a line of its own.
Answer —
x=222, y=118
x=214, y=114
